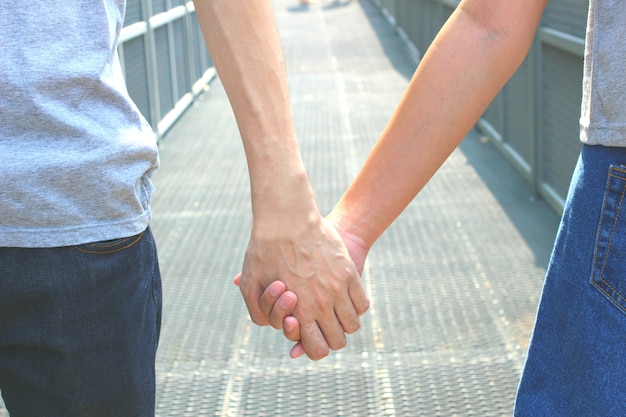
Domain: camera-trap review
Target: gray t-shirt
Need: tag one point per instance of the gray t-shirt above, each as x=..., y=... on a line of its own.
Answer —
x=76, y=156
x=603, y=116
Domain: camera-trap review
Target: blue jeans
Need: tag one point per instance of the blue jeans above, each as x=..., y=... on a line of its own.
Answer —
x=79, y=328
x=576, y=363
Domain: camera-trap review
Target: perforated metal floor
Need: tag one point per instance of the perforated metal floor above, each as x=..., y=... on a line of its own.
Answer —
x=454, y=283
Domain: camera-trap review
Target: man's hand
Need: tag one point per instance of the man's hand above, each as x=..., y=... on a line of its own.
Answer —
x=275, y=302
x=314, y=264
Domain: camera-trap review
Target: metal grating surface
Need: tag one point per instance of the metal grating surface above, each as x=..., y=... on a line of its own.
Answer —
x=454, y=282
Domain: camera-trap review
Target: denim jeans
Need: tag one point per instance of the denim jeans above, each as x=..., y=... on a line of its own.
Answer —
x=576, y=363
x=79, y=328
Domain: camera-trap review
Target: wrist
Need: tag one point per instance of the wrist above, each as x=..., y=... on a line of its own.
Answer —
x=350, y=229
x=284, y=204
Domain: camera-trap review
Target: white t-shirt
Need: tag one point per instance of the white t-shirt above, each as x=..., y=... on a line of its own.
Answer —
x=76, y=156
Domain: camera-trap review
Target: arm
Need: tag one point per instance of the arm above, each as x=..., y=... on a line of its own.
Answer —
x=290, y=241
x=472, y=57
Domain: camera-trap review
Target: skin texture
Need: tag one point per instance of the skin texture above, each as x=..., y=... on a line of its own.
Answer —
x=475, y=53
x=290, y=240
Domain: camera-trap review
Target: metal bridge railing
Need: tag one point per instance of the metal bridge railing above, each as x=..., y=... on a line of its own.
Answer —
x=534, y=119
x=164, y=58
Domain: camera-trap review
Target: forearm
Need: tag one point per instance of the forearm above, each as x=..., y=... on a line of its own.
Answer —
x=290, y=241
x=473, y=56
x=244, y=44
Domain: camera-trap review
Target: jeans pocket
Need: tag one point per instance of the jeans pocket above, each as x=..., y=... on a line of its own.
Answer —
x=110, y=246
x=609, y=262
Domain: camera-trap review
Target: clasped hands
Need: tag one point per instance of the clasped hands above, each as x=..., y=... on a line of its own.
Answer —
x=306, y=282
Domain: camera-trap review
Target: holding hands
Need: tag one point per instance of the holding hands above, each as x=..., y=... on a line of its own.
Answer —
x=290, y=241
x=296, y=260
x=323, y=266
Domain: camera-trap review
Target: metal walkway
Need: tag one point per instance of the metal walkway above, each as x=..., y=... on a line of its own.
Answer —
x=454, y=283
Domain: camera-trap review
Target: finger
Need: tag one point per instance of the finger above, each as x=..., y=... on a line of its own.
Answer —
x=345, y=310
x=348, y=317
x=251, y=295
x=348, y=313
x=291, y=328
x=270, y=296
x=333, y=333
x=282, y=308
x=237, y=280
x=313, y=341
x=358, y=295
x=331, y=330
x=296, y=351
